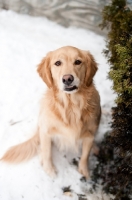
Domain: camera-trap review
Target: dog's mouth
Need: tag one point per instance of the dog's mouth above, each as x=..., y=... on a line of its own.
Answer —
x=70, y=88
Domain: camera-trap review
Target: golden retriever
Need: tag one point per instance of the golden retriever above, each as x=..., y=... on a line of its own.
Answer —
x=69, y=112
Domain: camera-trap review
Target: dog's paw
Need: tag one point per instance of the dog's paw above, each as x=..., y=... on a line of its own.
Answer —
x=50, y=170
x=83, y=169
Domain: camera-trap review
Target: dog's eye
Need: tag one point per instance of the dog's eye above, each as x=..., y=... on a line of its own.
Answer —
x=58, y=63
x=77, y=62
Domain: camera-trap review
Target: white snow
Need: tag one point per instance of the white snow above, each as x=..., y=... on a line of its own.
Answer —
x=24, y=41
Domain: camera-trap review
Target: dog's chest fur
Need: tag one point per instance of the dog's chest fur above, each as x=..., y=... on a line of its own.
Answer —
x=68, y=128
x=67, y=118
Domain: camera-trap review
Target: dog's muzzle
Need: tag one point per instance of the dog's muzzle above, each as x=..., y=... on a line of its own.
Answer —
x=68, y=81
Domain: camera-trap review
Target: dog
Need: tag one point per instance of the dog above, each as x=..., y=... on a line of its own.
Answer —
x=69, y=112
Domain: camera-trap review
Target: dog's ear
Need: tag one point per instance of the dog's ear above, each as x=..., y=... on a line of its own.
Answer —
x=91, y=69
x=44, y=71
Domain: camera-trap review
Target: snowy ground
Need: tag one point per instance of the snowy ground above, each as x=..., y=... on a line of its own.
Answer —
x=24, y=40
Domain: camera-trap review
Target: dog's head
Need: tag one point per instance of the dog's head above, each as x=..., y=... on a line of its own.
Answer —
x=68, y=69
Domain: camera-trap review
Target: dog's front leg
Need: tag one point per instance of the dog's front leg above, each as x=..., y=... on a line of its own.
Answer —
x=46, y=154
x=83, y=163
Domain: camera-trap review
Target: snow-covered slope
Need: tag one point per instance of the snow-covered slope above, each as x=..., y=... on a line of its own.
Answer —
x=24, y=41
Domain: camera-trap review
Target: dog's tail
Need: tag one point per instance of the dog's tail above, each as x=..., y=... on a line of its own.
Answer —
x=23, y=151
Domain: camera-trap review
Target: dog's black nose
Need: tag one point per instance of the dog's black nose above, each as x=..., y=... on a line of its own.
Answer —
x=67, y=79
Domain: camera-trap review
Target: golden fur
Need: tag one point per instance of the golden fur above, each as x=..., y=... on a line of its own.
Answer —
x=67, y=117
